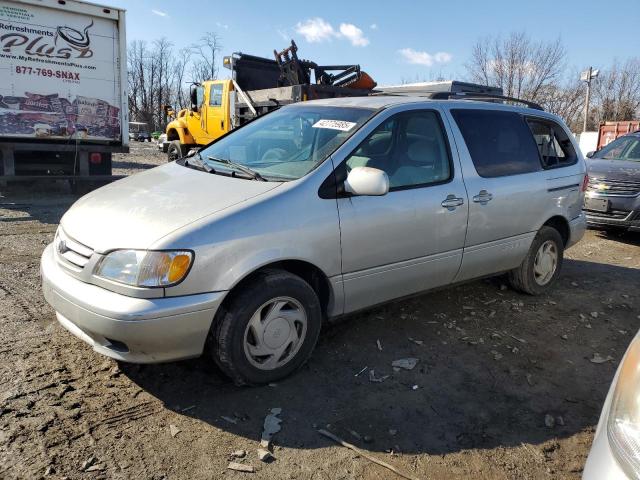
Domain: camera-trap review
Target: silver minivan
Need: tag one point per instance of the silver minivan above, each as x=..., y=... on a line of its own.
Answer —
x=311, y=212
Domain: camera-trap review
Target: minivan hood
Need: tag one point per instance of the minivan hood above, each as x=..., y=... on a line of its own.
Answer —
x=137, y=211
x=625, y=170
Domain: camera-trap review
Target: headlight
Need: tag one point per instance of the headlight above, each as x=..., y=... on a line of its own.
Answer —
x=623, y=425
x=144, y=268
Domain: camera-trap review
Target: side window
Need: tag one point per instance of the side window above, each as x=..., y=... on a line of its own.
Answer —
x=500, y=143
x=410, y=147
x=215, y=95
x=554, y=146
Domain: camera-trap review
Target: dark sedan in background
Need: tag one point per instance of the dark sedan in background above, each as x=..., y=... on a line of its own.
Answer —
x=612, y=199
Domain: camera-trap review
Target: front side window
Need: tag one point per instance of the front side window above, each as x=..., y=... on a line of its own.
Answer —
x=288, y=143
x=215, y=95
x=410, y=147
x=623, y=148
x=499, y=142
x=554, y=145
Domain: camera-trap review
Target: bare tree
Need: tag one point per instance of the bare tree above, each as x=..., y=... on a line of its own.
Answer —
x=205, y=53
x=156, y=77
x=616, y=93
x=521, y=67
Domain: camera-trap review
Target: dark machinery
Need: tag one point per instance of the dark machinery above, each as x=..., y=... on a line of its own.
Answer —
x=294, y=71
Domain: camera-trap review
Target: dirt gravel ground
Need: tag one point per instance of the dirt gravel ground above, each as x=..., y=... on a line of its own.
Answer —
x=492, y=363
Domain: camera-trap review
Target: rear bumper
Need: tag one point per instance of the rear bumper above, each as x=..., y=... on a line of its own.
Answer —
x=125, y=328
x=577, y=227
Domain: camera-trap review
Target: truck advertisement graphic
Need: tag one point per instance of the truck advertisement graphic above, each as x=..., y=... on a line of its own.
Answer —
x=59, y=74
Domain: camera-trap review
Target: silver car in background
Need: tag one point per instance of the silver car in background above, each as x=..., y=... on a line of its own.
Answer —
x=311, y=212
x=615, y=453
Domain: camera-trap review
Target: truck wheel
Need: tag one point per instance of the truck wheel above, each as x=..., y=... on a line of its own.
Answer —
x=267, y=330
x=175, y=150
x=541, y=266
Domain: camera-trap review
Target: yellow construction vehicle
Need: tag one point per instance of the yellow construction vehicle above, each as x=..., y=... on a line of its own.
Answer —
x=257, y=86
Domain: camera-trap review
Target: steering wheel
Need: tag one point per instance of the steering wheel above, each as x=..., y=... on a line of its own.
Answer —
x=273, y=155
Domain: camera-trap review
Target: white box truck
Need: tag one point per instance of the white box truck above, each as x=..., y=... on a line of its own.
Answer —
x=63, y=79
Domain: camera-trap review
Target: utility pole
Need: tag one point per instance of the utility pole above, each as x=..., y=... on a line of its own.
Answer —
x=587, y=76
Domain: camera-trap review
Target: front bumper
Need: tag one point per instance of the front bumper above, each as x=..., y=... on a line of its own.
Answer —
x=138, y=330
x=623, y=213
x=601, y=464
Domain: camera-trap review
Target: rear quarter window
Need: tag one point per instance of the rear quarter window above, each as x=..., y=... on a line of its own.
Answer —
x=554, y=145
x=500, y=143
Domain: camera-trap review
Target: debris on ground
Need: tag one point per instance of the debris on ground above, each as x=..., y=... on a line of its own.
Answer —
x=229, y=419
x=374, y=379
x=95, y=468
x=240, y=467
x=379, y=345
x=265, y=455
x=594, y=314
x=597, y=358
x=560, y=420
x=238, y=454
x=174, y=430
x=496, y=355
x=88, y=463
x=415, y=387
x=417, y=342
x=361, y=371
x=406, y=363
x=271, y=427
x=549, y=421
x=366, y=455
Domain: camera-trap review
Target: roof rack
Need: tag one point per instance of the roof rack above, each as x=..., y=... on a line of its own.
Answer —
x=487, y=97
x=453, y=89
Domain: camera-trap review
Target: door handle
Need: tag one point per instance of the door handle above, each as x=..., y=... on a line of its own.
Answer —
x=483, y=197
x=451, y=202
x=222, y=124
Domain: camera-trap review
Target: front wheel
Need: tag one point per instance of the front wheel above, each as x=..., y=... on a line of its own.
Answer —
x=175, y=150
x=267, y=330
x=540, y=268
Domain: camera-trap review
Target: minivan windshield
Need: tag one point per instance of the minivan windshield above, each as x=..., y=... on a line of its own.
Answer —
x=288, y=143
x=623, y=148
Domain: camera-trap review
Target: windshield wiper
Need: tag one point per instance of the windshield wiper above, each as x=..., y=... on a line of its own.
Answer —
x=252, y=173
x=195, y=161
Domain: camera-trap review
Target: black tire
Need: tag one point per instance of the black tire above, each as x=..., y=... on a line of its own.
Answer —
x=175, y=150
x=523, y=278
x=228, y=333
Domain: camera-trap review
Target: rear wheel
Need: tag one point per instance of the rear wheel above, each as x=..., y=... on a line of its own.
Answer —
x=267, y=330
x=175, y=150
x=540, y=268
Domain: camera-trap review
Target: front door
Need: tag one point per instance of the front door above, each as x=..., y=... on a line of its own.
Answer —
x=213, y=117
x=410, y=239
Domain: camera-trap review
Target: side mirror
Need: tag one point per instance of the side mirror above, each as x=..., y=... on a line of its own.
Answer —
x=194, y=99
x=590, y=154
x=367, y=181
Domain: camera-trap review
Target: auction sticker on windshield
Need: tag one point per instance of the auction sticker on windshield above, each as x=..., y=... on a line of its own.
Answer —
x=334, y=125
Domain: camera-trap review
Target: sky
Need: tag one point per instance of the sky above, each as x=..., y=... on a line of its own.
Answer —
x=392, y=40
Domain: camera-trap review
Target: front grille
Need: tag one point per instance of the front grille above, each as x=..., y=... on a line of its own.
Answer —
x=71, y=251
x=619, y=188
